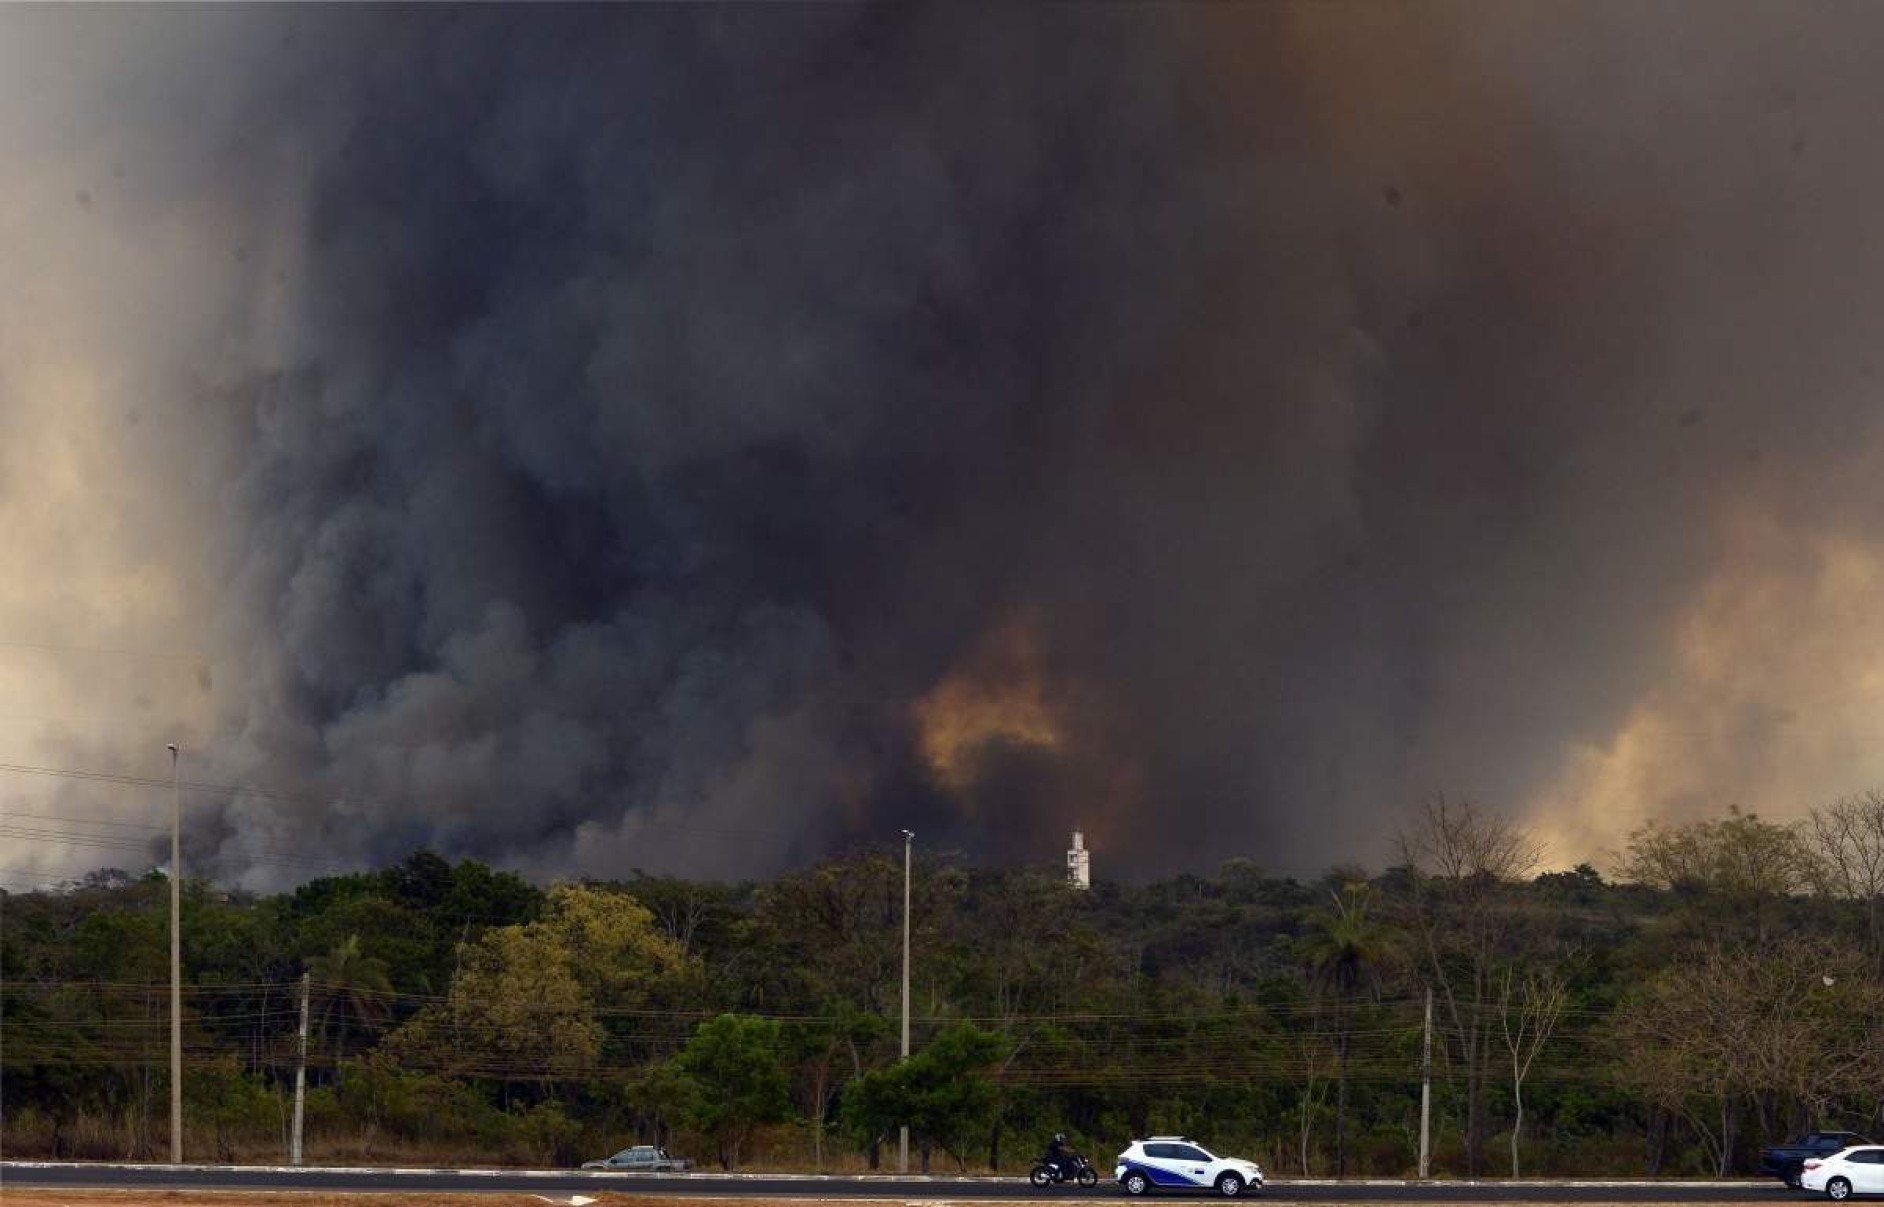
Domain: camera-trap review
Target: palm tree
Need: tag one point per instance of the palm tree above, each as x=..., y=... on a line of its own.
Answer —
x=1342, y=951
x=354, y=987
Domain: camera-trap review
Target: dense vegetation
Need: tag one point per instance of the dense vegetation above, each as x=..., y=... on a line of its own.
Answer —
x=1727, y=987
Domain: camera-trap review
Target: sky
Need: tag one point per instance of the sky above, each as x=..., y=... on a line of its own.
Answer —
x=705, y=439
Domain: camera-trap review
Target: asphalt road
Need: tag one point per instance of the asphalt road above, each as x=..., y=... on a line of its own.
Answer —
x=211, y=1177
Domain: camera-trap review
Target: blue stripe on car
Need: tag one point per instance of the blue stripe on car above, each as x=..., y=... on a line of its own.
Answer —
x=1161, y=1176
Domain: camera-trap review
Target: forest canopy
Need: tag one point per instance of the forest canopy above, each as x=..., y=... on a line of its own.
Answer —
x=1724, y=988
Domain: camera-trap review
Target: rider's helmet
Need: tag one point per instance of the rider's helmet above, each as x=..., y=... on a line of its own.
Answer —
x=1059, y=1137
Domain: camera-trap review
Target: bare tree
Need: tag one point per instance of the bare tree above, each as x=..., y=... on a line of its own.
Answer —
x=1846, y=844
x=1684, y=1049
x=1461, y=842
x=1315, y=1059
x=1529, y=1007
x=1462, y=861
x=1728, y=1028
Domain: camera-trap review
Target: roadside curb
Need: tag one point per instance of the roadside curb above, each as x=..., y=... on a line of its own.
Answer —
x=889, y=1181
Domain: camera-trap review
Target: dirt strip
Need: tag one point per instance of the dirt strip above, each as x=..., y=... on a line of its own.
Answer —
x=42, y=1196
x=35, y=1196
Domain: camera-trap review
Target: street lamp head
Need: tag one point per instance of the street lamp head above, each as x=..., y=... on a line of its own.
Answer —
x=171, y=747
x=909, y=836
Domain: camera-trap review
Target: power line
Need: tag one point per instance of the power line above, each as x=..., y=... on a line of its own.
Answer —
x=123, y=825
x=192, y=656
x=145, y=781
x=346, y=799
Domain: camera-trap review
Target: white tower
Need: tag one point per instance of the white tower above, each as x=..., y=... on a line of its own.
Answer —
x=1079, y=863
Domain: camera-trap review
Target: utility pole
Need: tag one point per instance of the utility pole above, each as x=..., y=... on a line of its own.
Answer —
x=902, y=1140
x=1426, y=1091
x=300, y=1080
x=176, y=955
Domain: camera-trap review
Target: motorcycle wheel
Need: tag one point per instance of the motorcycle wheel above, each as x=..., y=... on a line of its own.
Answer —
x=1088, y=1176
x=1041, y=1176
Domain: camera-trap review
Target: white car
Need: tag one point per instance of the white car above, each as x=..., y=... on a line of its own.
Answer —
x=1181, y=1163
x=1849, y=1171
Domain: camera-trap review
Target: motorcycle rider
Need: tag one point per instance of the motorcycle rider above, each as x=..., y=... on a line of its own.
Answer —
x=1059, y=1158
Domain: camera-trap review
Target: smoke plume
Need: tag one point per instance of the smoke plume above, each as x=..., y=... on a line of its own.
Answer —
x=698, y=439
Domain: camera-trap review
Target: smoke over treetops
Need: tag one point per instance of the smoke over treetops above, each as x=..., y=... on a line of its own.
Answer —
x=700, y=438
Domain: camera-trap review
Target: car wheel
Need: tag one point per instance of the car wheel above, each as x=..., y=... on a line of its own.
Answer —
x=1229, y=1185
x=1135, y=1183
x=1839, y=1189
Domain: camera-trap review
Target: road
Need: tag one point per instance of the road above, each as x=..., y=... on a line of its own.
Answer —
x=781, y=1186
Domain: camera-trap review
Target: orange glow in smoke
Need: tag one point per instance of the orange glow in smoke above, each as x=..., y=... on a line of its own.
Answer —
x=998, y=696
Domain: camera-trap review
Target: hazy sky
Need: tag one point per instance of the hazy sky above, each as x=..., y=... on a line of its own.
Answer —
x=704, y=438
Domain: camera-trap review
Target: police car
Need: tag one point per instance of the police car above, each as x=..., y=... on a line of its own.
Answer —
x=1181, y=1163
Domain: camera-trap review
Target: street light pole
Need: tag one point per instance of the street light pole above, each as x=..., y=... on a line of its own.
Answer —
x=176, y=955
x=1426, y=1091
x=902, y=1139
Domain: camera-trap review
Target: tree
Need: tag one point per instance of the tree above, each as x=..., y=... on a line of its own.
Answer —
x=524, y=1003
x=1727, y=1027
x=657, y=1096
x=1734, y=873
x=1529, y=1007
x=113, y=951
x=518, y=1011
x=823, y=1047
x=1313, y=1045
x=1025, y=946
x=353, y=987
x=614, y=949
x=696, y=916
x=1342, y=949
x=734, y=1061
x=521, y=1005
x=953, y=1101
x=943, y=1094
x=1845, y=842
x=838, y=927
x=1462, y=864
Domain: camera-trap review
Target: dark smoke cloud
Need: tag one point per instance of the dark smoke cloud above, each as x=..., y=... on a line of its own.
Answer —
x=1332, y=405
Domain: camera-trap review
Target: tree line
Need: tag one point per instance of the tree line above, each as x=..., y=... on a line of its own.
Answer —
x=1723, y=986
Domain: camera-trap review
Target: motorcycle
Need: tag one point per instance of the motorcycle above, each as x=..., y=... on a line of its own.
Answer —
x=1079, y=1169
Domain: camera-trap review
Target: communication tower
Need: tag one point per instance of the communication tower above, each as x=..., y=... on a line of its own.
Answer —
x=1079, y=863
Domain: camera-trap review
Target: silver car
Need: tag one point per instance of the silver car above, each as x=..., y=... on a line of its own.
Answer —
x=642, y=1158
